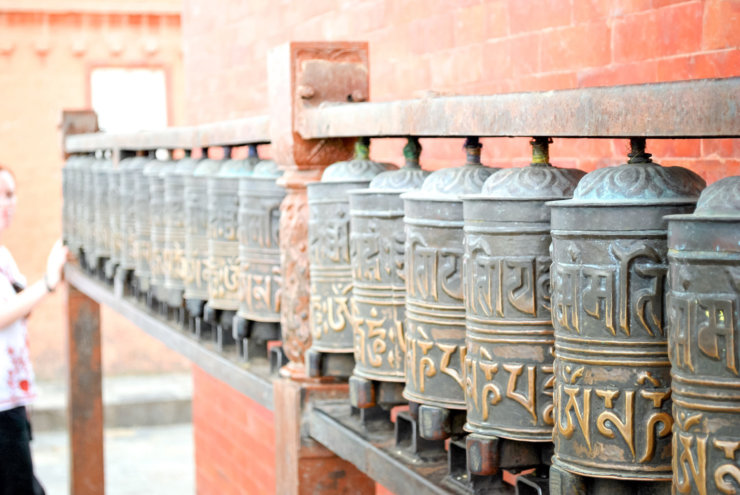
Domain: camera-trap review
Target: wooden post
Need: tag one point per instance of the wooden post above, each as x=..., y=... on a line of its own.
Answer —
x=85, y=397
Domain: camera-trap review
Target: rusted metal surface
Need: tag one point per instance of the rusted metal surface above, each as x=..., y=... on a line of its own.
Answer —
x=697, y=108
x=612, y=396
x=85, y=403
x=704, y=320
x=435, y=313
x=254, y=380
x=377, y=240
x=509, y=376
x=329, y=249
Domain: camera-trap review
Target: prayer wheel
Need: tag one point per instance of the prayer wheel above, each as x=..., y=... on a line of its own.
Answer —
x=703, y=341
x=173, y=257
x=377, y=240
x=223, y=243
x=156, y=173
x=258, y=316
x=196, y=234
x=329, y=258
x=101, y=252
x=114, y=217
x=608, y=277
x=435, y=311
x=86, y=210
x=130, y=211
x=506, y=271
x=142, y=226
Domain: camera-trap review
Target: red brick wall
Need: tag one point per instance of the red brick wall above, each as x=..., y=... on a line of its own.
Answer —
x=234, y=440
x=475, y=46
x=45, y=62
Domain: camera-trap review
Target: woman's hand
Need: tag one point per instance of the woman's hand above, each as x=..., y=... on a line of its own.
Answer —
x=55, y=263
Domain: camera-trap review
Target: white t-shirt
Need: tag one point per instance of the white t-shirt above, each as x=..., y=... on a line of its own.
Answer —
x=16, y=374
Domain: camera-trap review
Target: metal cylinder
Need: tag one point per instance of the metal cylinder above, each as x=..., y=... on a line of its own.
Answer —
x=259, y=252
x=142, y=226
x=85, y=208
x=223, y=224
x=377, y=240
x=196, y=230
x=328, y=249
x=703, y=342
x=101, y=171
x=173, y=256
x=506, y=270
x=435, y=312
x=114, y=216
x=156, y=172
x=612, y=374
x=130, y=209
x=67, y=198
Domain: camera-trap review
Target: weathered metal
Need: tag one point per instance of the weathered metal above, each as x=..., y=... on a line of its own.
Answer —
x=506, y=271
x=114, y=216
x=173, y=256
x=258, y=317
x=155, y=174
x=435, y=312
x=379, y=290
x=223, y=223
x=196, y=233
x=704, y=321
x=142, y=226
x=329, y=250
x=129, y=210
x=698, y=108
x=612, y=374
x=100, y=237
x=85, y=209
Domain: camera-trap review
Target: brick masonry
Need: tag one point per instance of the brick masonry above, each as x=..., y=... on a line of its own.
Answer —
x=426, y=47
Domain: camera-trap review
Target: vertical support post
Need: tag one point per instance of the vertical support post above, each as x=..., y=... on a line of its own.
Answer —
x=303, y=75
x=85, y=398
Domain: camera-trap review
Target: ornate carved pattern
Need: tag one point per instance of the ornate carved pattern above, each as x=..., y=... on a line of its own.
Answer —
x=720, y=198
x=532, y=182
x=639, y=181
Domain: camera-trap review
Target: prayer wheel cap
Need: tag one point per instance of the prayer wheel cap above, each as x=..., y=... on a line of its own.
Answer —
x=538, y=181
x=720, y=199
x=267, y=169
x=359, y=168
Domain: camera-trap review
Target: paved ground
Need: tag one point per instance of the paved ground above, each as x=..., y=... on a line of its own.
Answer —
x=139, y=460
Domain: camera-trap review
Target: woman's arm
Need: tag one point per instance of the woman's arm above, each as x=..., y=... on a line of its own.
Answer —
x=23, y=302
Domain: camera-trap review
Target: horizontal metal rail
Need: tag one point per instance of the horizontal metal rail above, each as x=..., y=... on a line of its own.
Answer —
x=373, y=452
x=704, y=108
x=237, y=132
x=251, y=379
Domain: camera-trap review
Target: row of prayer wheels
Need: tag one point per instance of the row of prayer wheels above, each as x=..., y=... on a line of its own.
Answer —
x=581, y=322
x=195, y=234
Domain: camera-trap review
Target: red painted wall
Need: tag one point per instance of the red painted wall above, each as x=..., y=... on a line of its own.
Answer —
x=424, y=47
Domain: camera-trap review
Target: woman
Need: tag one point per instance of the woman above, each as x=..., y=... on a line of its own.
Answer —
x=16, y=375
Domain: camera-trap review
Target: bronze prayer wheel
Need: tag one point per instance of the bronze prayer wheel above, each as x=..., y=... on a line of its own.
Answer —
x=506, y=271
x=259, y=251
x=328, y=249
x=156, y=172
x=196, y=230
x=223, y=223
x=703, y=341
x=129, y=210
x=86, y=209
x=612, y=374
x=68, y=172
x=435, y=312
x=173, y=257
x=101, y=212
x=142, y=226
x=377, y=240
x=114, y=216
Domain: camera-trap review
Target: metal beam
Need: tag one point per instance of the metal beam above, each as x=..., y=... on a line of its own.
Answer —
x=685, y=109
x=249, y=130
x=252, y=379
